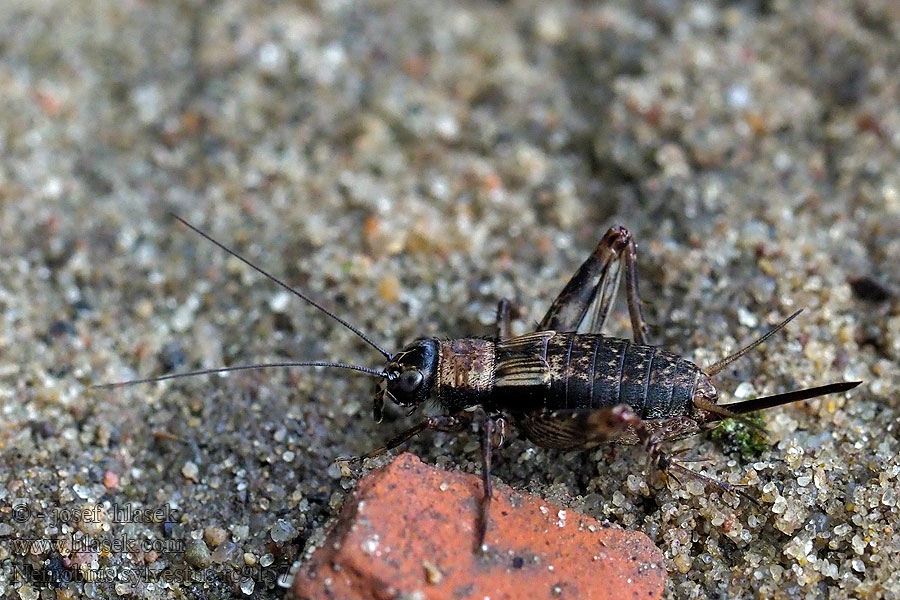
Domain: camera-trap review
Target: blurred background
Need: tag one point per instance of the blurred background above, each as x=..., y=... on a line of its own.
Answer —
x=410, y=164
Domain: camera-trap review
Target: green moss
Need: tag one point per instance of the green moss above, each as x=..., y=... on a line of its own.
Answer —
x=746, y=436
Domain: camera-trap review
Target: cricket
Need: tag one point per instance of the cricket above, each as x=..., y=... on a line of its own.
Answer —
x=564, y=386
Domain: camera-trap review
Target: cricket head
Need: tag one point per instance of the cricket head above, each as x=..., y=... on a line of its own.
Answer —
x=408, y=377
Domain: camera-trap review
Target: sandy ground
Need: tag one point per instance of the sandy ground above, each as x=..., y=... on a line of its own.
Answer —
x=410, y=164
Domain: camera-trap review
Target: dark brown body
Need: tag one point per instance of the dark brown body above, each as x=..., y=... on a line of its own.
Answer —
x=559, y=370
x=551, y=371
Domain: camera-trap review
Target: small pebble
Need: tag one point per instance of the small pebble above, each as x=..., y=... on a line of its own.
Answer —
x=224, y=553
x=240, y=532
x=282, y=531
x=744, y=390
x=433, y=574
x=214, y=536
x=111, y=480
x=389, y=288
x=190, y=471
x=26, y=592
x=94, y=519
x=247, y=585
x=197, y=554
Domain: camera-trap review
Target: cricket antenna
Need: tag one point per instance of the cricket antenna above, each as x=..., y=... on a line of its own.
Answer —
x=366, y=370
x=717, y=367
x=300, y=295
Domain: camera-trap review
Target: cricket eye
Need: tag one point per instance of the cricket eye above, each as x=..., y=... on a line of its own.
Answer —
x=409, y=380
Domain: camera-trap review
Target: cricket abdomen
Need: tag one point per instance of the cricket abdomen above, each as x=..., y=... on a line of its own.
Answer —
x=595, y=371
x=553, y=370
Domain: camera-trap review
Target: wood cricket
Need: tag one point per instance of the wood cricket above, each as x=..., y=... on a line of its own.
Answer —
x=565, y=386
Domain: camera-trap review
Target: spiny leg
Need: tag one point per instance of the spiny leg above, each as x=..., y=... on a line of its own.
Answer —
x=582, y=428
x=662, y=461
x=572, y=428
x=592, y=288
x=503, y=319
x=487, y=433
x=632, y=293
x=569, y=309
x=490, y=425
x=450, y=423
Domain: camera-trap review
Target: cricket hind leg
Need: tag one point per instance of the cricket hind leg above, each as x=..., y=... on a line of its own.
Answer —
x=592, y=289
x=572, y=429
x=665, y=462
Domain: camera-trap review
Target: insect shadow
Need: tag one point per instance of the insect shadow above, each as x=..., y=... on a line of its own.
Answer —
x=565, y=386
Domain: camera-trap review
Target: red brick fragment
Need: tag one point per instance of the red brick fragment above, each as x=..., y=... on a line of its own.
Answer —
x=408, y=531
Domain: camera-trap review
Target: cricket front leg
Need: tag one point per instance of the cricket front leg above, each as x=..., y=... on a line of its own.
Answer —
x=592, y=289
x=450, y=423
x=493, y=435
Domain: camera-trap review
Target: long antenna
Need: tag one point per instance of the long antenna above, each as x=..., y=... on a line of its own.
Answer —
x=300, y=295
x=718, y=366
x=366, y=370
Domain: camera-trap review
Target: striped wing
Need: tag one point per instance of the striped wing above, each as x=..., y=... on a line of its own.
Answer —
x=522, y=361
